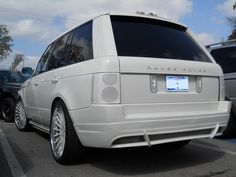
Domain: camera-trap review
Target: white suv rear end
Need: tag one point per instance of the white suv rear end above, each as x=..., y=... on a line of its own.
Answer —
x=124, y=81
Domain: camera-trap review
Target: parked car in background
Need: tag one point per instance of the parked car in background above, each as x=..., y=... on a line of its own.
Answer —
x=121, y=81
x=224, y=54
x=10, y=83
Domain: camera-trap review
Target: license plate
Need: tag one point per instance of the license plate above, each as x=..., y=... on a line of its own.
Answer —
x=177, y=84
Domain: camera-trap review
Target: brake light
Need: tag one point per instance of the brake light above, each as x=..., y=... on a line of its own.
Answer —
x=106, y=88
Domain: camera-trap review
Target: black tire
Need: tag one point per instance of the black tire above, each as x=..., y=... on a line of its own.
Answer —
x=21, y=122
x=71, y=148
x=230, y=131
x=8, y=109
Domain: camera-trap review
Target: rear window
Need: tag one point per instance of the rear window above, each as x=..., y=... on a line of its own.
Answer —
x=226, y=58
x=143, y=37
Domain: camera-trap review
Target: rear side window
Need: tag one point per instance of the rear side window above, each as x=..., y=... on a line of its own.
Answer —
x=57, y=58
x=226, y=58
x=41, y=67
x=81, y=46
x=143, y=37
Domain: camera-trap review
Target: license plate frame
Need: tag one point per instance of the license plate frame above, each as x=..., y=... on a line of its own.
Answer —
x=177, y=83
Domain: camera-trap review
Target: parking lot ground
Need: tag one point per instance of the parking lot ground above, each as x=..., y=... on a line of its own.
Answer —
x=4, y=168
x=232, y=140
x=201, y=158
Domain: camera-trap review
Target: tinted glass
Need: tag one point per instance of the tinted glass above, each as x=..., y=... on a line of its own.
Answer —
x=226, y=58
x=144, y=37
x=57, y=57
x=27, y=71
x=67, y=47
x=41, y=67
x=12, y=77
x=81, y=46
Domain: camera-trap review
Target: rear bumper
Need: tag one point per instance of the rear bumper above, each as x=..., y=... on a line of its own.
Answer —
x=118, y=125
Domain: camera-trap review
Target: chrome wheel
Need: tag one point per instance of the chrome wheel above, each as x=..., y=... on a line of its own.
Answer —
x=20, y=118
x=57, y=133
x=64, y=142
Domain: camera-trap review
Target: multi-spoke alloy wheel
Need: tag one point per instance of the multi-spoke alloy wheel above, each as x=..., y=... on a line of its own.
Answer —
x=21, y=121
x=65, y=144
x=58, y=131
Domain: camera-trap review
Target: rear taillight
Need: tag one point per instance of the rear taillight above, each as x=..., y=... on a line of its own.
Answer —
x=106, y=88
x=222, y=89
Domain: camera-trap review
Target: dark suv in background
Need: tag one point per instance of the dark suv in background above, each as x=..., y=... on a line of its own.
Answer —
x=224, y=54
x=10, y=83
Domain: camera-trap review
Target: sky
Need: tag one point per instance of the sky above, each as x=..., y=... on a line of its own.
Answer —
x=34, y=23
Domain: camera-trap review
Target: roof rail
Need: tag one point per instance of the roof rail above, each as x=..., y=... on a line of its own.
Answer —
x=222, y=43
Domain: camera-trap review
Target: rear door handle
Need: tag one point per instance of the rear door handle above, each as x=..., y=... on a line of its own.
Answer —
x=36, y=84
x=54, y=81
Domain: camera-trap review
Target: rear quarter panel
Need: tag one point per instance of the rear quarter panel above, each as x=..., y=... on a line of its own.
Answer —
x=75, y=85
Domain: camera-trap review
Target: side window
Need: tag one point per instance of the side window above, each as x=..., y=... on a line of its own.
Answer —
x=57, y=57
x=41, y=67
x=81, y=48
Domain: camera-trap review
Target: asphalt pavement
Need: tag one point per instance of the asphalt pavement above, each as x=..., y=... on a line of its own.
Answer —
x=28, y=154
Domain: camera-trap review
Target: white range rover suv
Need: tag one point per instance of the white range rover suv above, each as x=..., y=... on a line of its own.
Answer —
x=123, y=81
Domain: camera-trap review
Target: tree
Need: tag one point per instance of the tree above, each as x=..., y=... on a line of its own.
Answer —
x=232, y=22
x=5, y=42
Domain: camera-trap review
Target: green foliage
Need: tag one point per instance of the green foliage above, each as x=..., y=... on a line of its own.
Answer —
x=232, y=22
x=5, y=42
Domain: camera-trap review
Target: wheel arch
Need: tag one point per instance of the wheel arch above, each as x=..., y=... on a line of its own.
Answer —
x=57, y=98
x=66, y=105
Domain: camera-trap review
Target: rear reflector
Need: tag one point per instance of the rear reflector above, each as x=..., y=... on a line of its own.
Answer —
x=153, y=83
